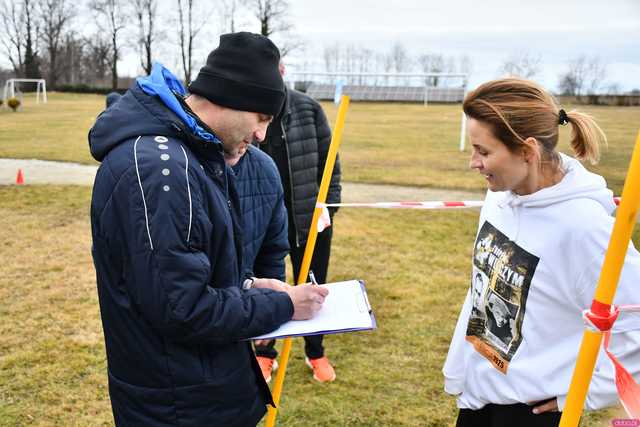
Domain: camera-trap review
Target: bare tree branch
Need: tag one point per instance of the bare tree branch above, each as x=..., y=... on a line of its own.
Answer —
x=401, y=60
x=596, y=74
x=110, y=18
x=55, y=16
x=31, y=59
x=524, y=65
x=97, y=56
x=273, y=17
x=190, y=23
x=432, y=63
x=572, y=82
x=585, y=76
x=146, y=15
x=13, y=37
x=228, y=15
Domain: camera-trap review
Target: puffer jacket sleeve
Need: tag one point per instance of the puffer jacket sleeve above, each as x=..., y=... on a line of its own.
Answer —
x=324, y=141
x=269, y=261
x=169, y=242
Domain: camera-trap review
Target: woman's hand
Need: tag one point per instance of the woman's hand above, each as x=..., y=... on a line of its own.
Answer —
x=548, y=406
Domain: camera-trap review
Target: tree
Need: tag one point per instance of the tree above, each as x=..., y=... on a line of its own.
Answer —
x=85, y=59
x=71, y=59
x=584, y=76
x=331, y=56
x=273, y=17
x=568, y=84
x=31, y=58
x=366, y=59
x=55, y=16
x=401, y=60
x=432, y=63
x=146, y=13
x=465, y=65
x=228, y=13
x=613, y=89
x=97, y=56
x=595, y=76
x=572, y=82
x=110, y=17
x=189, y=26
x=350, y=59
x=524, y=65
x=386, y=60
x=13, y=36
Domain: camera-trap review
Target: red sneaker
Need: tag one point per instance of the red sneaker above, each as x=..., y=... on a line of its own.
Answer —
x=267, y=366
x=322, y=369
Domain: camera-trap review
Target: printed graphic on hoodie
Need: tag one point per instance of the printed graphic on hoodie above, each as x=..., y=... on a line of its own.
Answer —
x=501, y=277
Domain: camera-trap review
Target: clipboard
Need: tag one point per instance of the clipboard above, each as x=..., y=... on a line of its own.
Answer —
x=346, y=309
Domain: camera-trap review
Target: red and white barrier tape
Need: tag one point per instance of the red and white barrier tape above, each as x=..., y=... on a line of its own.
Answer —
x=325, y=221
x=416, y=205
x=408, y=205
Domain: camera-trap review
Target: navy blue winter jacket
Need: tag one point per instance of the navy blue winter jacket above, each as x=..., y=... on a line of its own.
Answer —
x=167, y=250
x=263, y=213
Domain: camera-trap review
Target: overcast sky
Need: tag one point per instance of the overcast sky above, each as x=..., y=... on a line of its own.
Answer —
x=488, y=31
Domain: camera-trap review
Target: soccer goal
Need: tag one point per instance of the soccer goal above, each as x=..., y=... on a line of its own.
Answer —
x=10, y=89
x=429, y=88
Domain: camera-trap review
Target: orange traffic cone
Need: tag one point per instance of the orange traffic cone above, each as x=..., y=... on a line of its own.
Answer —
x=20, y=178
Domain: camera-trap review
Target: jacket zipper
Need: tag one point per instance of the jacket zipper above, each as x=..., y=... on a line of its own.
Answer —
x=293, y=213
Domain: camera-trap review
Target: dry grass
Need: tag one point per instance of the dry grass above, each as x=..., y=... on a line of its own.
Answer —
x=52, y=359
x=52, y=353
x=53, y=131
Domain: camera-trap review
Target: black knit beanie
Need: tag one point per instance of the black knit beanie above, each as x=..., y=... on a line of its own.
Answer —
x=242, y=74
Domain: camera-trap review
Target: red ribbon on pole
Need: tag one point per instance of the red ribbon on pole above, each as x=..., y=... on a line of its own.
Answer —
x=602, y=317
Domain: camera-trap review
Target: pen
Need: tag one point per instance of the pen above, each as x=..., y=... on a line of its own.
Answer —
x=312, y=277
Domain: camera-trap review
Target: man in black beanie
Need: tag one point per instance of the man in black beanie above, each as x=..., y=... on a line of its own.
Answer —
x=167, y=243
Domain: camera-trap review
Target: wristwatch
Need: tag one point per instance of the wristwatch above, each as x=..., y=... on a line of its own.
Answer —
x=248, y=283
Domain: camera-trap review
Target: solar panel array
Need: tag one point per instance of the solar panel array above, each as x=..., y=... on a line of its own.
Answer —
x=323, y=92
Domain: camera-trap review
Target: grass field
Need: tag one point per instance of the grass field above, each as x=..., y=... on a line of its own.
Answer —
x=52, y=358
x=406, y=144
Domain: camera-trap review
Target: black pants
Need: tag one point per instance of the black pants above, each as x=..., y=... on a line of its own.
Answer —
x=518, y=414
x=313, y=347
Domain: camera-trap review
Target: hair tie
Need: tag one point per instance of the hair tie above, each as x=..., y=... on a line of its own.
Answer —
x=563, y=119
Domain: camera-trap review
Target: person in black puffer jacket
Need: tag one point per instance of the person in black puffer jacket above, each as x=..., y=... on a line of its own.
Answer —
x=167, y=243
x=298, y=140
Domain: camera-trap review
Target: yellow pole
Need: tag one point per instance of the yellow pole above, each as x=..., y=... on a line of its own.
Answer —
x=606, y=290
x=336, y=139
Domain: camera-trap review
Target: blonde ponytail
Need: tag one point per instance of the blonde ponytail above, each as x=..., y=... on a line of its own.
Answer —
x=586, y=136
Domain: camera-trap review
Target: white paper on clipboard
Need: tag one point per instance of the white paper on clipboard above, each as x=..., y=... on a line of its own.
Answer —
x=346, y=308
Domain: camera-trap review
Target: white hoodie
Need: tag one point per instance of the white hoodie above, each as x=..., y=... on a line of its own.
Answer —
x=536, y=264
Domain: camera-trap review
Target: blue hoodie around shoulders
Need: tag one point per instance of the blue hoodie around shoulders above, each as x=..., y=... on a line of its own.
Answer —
x=167, y=248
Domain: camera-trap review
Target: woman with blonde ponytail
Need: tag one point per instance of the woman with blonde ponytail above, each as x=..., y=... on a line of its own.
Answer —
x=542, y=235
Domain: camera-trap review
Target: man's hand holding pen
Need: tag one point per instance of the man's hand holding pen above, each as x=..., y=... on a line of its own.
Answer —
x=307, y=298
